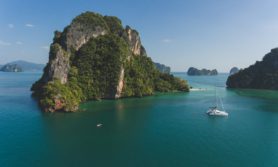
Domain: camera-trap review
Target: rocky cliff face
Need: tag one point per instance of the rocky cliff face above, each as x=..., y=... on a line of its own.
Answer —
x=262, y=75
x=133, y=39
x=194, y=71
x=58, y=66
x=120, y=84
x=70, y=40
x=94, y=58
x=134, y=42
x=77, y=34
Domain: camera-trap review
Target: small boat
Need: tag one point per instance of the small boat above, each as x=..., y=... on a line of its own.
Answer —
x=99, y=125
x=214, y=111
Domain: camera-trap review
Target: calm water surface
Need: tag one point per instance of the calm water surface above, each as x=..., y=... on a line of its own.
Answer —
x=163, y=130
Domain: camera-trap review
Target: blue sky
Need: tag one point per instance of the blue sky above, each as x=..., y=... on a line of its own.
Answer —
x=179, y=33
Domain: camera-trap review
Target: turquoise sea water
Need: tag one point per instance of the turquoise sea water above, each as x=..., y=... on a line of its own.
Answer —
x=163, y=130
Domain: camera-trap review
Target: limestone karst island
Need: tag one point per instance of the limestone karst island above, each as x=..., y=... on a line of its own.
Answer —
x=261, y=75
x=139, y=83
x=95, y=57
x=196, y=72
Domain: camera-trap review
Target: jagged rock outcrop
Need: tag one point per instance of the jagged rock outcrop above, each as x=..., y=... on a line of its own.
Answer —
x=95, y=58
x=58, y=66
x=261, y=75
x=134, y=41
x=11, y=68
x=163, y=68
x=195, y=72
x=80, y=32
x=234, y=70
x=120, y=84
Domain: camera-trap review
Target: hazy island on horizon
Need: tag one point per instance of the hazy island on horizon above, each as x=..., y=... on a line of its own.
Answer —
x=192, y=71
x=21, y=66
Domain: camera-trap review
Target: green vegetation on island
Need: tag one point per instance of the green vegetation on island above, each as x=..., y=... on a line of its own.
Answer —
x=95, y=57
x=196, y=72
x=261, y=75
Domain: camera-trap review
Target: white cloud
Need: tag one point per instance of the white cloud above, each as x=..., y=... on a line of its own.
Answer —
x=10, y=25
x=45, y=48
x=29, y=25
x=19, y=43
x=166, y=40
x=3, y=43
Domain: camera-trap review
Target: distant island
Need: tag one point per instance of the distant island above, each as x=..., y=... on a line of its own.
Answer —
x=196, y=72
x=20, y=66
x=11, y=68
x=95, y=57
x=233, y=70
x=261, y=75
x=163, y=68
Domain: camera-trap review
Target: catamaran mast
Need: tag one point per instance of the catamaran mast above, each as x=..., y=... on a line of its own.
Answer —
x=222, y=104
x=216, y=104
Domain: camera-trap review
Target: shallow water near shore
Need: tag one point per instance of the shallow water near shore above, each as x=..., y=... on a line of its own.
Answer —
x=161, y=130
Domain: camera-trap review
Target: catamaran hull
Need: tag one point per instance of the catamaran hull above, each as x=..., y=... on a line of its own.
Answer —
x=217, y=113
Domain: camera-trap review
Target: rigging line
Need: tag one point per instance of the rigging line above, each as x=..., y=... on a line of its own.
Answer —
x=222, y=104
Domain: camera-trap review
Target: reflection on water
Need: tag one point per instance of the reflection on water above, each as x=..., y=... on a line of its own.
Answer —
x=264, y=94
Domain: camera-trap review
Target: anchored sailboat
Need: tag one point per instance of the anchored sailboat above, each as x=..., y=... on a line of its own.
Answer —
x=215, y=111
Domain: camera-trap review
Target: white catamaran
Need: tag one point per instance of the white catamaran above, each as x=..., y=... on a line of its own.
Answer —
x=214, y=111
